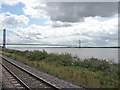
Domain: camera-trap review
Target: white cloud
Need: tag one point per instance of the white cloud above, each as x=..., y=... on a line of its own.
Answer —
x=34, y=8
x=30, y=7
x=10, y=2
x=35, y=13
x=65, y=12
x=58, y=23
x=92, y=32
x=70, y=11
x=8, y=19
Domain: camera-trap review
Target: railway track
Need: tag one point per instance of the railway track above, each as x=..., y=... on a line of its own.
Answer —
x=14, y=80
x=24, y=78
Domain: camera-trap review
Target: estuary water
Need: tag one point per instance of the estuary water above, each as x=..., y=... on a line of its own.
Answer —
x=110, y=54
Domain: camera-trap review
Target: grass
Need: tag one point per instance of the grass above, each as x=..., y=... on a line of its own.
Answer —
x=89, y=73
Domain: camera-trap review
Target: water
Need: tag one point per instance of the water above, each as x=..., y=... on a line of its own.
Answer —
x=110, y=54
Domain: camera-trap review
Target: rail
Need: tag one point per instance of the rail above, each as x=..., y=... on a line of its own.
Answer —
x=33, y=75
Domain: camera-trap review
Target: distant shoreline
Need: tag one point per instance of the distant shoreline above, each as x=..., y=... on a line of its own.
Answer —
x=63, y=47
x=94, y=47
x=58, y=47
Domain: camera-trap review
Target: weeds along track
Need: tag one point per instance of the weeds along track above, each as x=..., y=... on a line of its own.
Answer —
x=27, y=79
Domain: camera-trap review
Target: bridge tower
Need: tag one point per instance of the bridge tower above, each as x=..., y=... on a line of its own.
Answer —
x=79, y=43
x=4, y=38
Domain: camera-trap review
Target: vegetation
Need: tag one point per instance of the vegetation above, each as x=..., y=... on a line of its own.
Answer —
x=89, y=73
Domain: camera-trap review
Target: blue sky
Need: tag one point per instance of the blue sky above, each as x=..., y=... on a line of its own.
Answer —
x=18, y=10
x=60, y=23
x=15, y=9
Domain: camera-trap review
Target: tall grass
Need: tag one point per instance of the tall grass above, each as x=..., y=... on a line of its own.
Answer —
x=89, y=73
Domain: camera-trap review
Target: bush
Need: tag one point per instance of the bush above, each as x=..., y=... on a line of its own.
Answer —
x=36, y=55
x=91, y=73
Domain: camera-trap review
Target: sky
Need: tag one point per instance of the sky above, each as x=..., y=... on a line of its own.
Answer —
x=61, y=23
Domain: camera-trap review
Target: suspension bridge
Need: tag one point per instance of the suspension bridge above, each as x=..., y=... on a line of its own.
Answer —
x=32, y=44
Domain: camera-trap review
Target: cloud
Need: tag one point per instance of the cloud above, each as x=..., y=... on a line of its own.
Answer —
x=65, y=27
x=66, y=11
x=10, y=2
x=92, y=32
x=58, y=24
x=30, y=9
x=8, y=19
x=76, y=11
x=0, y=5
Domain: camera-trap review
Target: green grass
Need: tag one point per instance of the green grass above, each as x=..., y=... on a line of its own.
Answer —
x=89, y=73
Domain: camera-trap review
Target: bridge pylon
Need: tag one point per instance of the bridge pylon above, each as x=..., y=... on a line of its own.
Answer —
x=4, y=38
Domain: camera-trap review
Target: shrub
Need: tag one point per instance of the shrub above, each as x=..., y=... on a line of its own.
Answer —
x=91, y=73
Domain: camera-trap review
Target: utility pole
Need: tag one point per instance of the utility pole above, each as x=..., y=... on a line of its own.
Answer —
x=4, y=38
x=79, y=43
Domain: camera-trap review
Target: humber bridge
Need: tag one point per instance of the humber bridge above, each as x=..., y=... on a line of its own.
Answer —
x=4, y=43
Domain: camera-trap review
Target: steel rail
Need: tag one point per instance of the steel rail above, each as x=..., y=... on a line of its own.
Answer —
x=30, y=73
x=25, y=85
